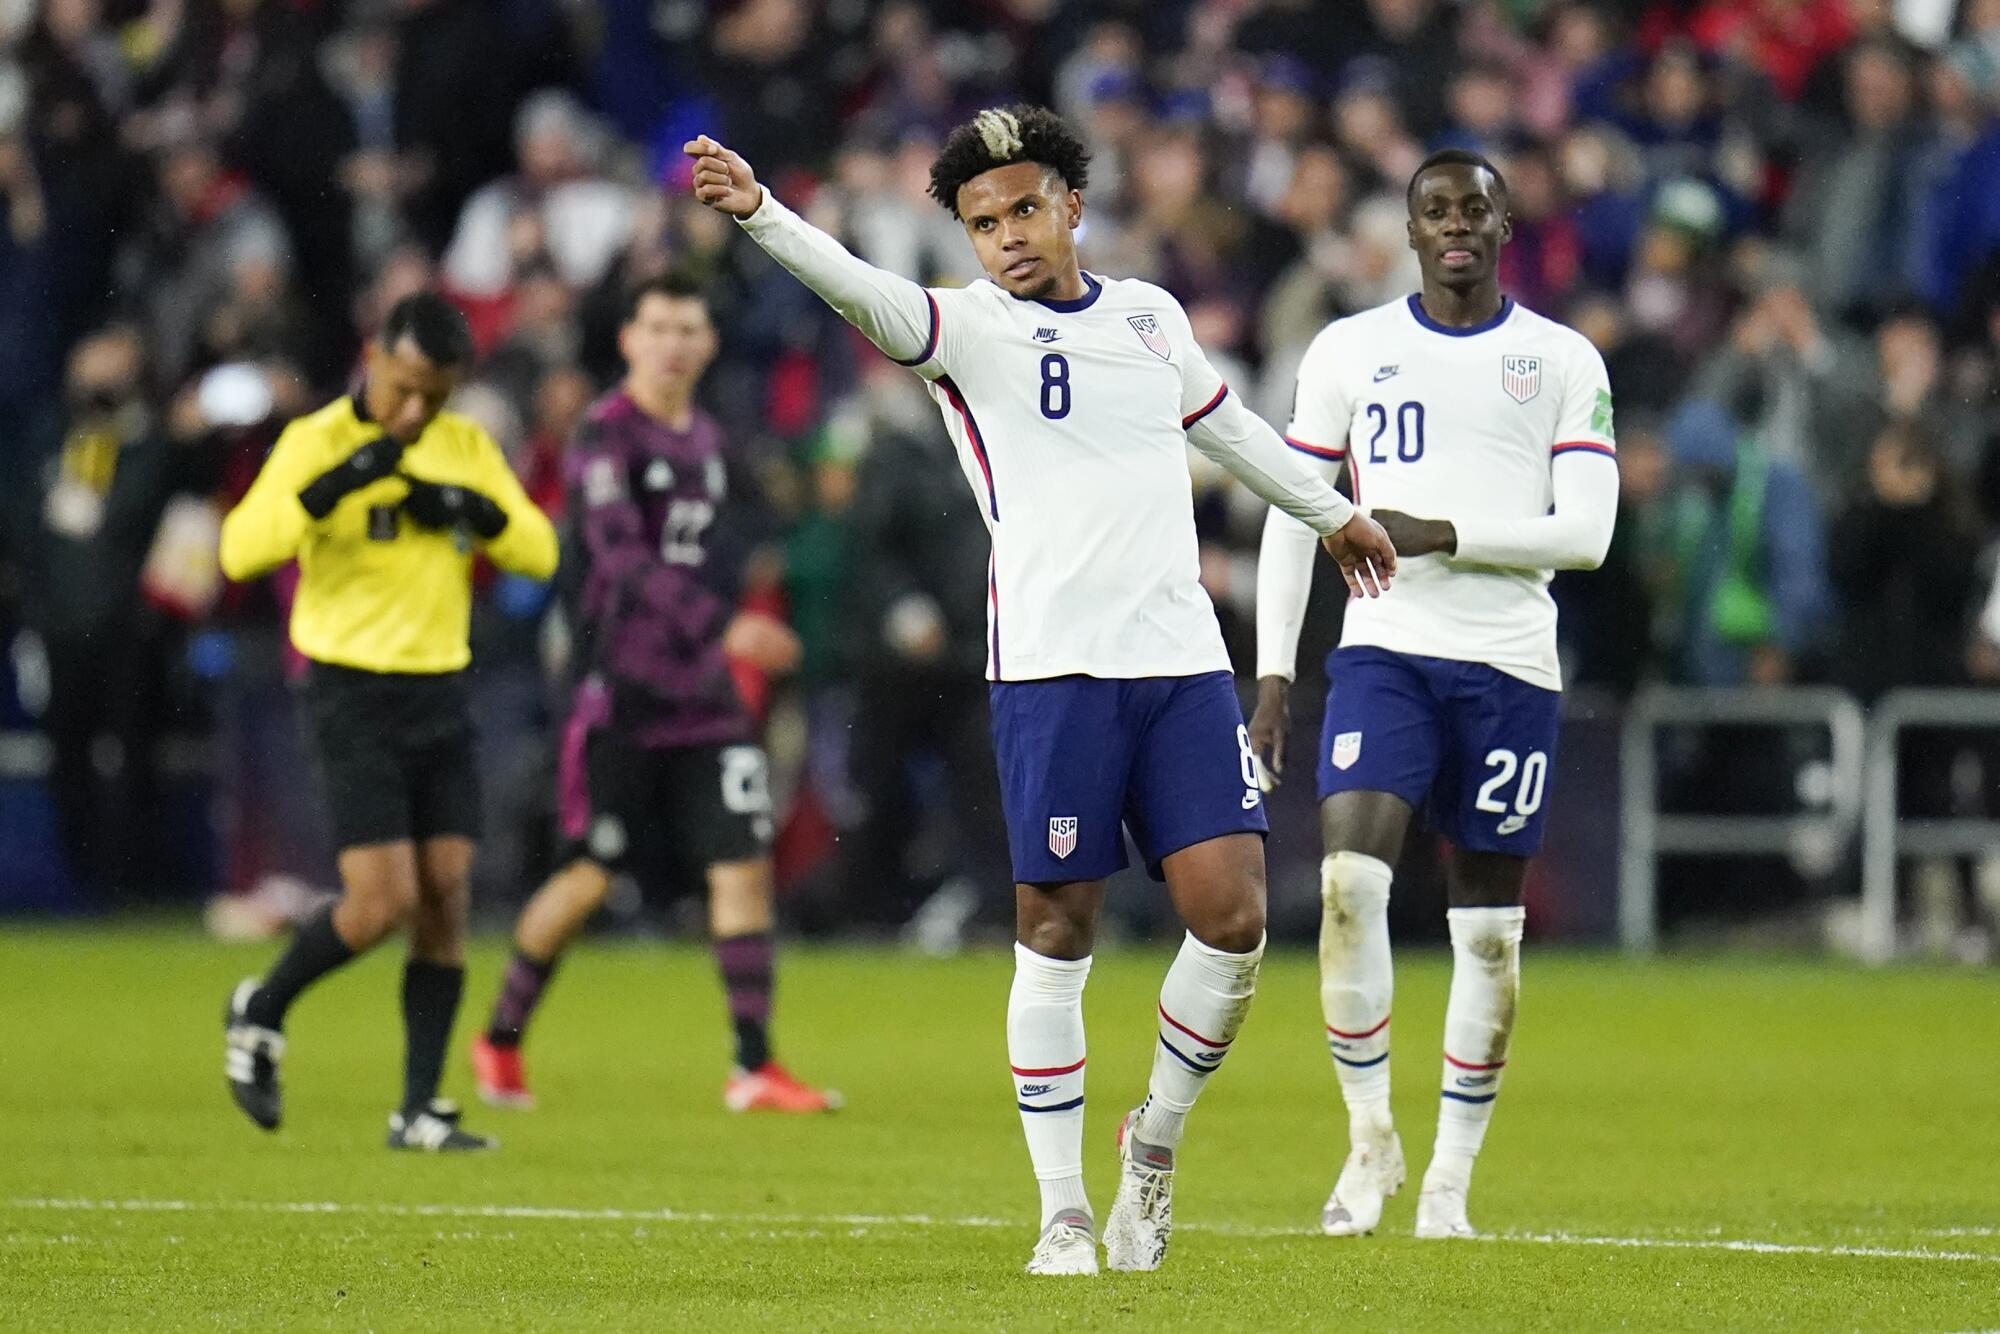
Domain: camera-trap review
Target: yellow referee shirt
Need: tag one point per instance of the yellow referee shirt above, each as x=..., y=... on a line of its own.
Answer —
x=377, y=592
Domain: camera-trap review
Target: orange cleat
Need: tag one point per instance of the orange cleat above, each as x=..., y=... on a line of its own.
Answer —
x=771, y=1088
x=502, y=1080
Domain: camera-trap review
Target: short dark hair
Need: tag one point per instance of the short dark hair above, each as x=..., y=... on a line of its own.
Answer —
x=434, y=325
x=1001, y=137
x=1454, y=157
x=672, y=284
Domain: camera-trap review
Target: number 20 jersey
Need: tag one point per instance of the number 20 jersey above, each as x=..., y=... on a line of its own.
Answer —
x=1440, y=423
x=1070, y=419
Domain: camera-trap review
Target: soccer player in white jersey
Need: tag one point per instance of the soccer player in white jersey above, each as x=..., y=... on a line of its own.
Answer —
x=1072, y=399
x=1480, y=433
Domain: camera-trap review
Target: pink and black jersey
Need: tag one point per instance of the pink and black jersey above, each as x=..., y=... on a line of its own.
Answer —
x=659, y=544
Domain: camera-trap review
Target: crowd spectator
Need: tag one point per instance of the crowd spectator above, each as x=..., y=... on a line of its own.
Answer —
x=1779, y=220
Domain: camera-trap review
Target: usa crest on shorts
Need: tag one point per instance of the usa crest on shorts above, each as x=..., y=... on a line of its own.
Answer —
x=1521, y=377
x=1346, y=750
x=1062, y=835
x=1148, y=329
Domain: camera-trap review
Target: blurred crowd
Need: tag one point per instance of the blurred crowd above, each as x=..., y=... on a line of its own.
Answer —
x=1778, y=219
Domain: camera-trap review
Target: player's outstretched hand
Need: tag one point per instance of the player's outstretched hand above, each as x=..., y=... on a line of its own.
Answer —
x=1268, y=726
x=722, y=179
x=1366, y=556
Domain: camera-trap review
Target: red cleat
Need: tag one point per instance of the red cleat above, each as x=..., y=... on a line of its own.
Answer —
x=771, y=1088
x=502, y=1081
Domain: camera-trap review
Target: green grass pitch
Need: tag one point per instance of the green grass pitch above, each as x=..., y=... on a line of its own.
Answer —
x=1719, y=1144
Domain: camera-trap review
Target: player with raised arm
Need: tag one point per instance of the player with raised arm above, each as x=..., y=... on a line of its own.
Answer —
x=1494, y=425
x=1071, y=399
x=662, y=535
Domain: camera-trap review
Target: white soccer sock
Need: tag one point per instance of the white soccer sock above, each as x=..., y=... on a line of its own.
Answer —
x=1356, y=981
x=1203, y=1003
x=1478, y=1021
x=1045, y=1048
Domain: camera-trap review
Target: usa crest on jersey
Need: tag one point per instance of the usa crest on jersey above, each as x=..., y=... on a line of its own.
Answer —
x=1148, y=329
x=1521, y=377
x=1062, y=835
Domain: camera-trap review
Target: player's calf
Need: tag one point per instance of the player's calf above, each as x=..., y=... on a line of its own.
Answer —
x=1203, y=1003
x=1479, y=1023
x=1356, y=990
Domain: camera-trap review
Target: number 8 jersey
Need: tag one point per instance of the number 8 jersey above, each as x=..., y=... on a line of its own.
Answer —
x=1072, y=420
x=1492, y=428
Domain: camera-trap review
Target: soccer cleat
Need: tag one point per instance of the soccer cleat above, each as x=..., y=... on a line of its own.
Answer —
x=771, y=1088
x=250, y=1056
x=434, y=1129
x=1441, y=1210
x=1067, y=1246
x=1142, y=1215
x=1374, y=1172
x=502, y=1080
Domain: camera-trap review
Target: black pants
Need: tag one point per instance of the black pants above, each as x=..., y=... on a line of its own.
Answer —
x=108, y=700
x=909, y=841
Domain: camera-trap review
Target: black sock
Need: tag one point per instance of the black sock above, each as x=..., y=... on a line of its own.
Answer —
x=315, y=951
x=753, y=1044
x=430, y=1003
x=747, y=966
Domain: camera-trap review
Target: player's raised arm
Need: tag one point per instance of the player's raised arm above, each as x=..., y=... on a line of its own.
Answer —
x=896, y=314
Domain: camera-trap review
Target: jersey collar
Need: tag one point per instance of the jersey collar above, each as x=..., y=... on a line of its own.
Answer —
x=1417, y=313
x=1092, y=289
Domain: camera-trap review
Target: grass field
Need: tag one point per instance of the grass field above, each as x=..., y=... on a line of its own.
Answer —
x=1729, y=1144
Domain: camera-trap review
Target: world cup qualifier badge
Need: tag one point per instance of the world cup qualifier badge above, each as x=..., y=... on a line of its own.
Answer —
x=1062, y=835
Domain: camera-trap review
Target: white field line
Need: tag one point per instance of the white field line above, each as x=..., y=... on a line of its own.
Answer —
x=699, y=1216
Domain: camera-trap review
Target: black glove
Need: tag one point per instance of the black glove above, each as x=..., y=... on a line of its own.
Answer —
x=370, y=463
x=432, y=505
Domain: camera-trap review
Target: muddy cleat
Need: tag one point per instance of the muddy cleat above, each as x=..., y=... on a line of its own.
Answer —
x=434, y=1129
x=1374, y=1172
x=502, y=1080
x=250, y=1056
x=771, y=1088
x=1068, y=1246
x=1142, y=1215
x=1441, y=1210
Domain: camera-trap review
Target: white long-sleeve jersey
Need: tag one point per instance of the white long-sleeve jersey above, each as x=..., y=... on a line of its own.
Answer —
x=1505, y=430
x=1071, y=420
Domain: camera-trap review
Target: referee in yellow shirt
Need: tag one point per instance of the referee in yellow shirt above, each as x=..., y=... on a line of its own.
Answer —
x=383, y=498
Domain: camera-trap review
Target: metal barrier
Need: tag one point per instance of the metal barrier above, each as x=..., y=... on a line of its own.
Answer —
x=1647, y=835
x=1885, y=837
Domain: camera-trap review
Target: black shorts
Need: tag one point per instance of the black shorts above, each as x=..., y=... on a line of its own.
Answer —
x=686, y=805
x=396, y=753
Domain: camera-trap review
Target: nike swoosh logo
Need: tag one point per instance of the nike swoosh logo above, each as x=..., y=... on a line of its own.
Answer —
x=1385, y=375
x=1250, y=800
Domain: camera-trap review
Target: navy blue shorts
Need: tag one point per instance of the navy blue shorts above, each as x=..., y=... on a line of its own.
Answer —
x=1083, y=758
x=1467, y=745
